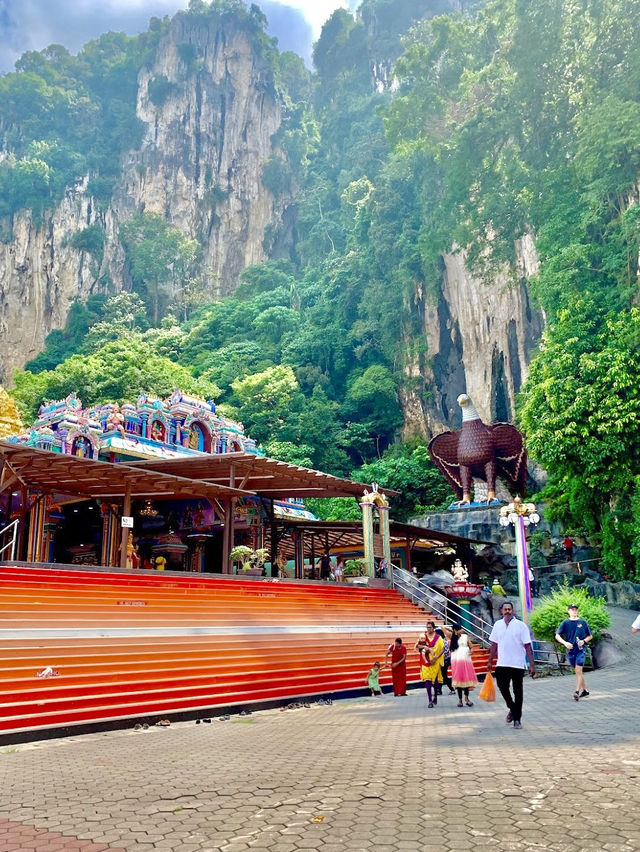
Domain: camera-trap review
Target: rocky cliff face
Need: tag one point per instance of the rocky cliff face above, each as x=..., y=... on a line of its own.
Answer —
x=201, y=160
x=480, y=337
x=199, y=166
x=40, y=276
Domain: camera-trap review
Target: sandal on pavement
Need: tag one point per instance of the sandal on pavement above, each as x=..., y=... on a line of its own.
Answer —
x=576, y=696
x=469, y=703
x=460, y=704
x=584, y=693
x=430, y=704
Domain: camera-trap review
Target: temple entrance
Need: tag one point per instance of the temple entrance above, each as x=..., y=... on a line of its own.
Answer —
x=76, y=533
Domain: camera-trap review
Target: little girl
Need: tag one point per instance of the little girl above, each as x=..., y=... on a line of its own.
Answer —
x=372, y=679
x=463, y=675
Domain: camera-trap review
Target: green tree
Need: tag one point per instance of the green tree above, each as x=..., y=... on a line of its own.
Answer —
x=579, y=410
x=268, y=404
x=407, y=469
x=372, y=399
x=117, y=371
x=160, y=258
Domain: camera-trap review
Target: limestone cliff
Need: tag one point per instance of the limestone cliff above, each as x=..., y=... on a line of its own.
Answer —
x=40, y=276
x=199, y=166
x=201, y=160
x=480, y=336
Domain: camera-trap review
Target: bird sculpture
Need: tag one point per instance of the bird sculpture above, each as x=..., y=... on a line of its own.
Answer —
x=481, y=451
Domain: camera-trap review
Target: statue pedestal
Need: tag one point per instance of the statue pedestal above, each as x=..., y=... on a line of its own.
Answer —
x=462, y=593
x=476, y=522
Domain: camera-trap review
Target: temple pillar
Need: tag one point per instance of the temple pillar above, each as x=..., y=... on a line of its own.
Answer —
x=367, y=538
x=124, y=536
x=108, y=555
x=299, y=555
x=36, y=529
x=226, y=508
x=383, y=512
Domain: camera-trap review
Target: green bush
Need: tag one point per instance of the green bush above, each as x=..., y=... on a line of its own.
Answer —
x=355, y=568
x=552, y=610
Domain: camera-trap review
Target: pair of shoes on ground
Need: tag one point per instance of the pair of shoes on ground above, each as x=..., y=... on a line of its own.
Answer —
x=208, y=721
x=163, y=723
x=578, y=695
x=142, y=727
x=468, y=703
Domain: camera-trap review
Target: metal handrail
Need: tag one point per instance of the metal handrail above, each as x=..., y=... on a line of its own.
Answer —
x=13, y=541
x=433, y=599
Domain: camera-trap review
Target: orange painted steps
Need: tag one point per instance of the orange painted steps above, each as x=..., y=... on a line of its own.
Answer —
x=16, y=591
x=25, y=681
x=189, y=582
x=114, y=678
x=26, y=688
x=155, y=701
x=162, y=663
x=126, y=609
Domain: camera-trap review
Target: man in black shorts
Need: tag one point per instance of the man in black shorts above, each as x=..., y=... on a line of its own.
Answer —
x=574, y=633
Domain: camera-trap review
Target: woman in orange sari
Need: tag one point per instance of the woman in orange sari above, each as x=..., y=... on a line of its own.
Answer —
x=398, y=654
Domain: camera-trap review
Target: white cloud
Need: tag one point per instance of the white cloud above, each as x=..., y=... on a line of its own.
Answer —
x=316, y=12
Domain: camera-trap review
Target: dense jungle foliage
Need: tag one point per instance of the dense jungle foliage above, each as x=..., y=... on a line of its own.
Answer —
x=505, y=119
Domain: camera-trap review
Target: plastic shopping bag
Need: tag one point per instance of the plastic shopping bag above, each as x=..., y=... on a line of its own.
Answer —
x=488, y=689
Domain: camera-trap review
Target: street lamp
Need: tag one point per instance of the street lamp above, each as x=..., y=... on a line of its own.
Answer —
x=521, y=515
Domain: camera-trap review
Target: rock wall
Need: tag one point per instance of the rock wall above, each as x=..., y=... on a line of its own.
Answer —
x=199, y=166
x=480, y=337
x=40, y=276
x=201, y=160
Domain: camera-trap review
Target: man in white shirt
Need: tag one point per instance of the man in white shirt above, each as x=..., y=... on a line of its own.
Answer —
x=511, y=642
x=635, y=627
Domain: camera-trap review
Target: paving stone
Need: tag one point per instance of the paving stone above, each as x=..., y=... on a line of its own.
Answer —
x=396, y=777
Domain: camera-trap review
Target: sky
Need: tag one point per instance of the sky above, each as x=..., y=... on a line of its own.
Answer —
x=35, y=24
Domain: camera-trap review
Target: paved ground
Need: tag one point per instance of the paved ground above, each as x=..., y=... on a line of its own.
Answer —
x=385, y=774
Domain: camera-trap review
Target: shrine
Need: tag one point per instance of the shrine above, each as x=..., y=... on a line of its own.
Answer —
x=122, y=527
x=172, y=531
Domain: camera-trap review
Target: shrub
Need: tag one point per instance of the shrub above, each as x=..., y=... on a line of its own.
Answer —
x=355, y=568
x=552, y=610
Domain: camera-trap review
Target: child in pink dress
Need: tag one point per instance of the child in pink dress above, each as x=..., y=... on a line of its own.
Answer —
x=463, y=675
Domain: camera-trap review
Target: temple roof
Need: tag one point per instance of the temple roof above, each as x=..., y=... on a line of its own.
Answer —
x=56, y=473
x=346, y=535
x=264, y=476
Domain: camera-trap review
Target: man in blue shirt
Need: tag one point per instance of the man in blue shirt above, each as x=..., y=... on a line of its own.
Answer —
x=574, y=633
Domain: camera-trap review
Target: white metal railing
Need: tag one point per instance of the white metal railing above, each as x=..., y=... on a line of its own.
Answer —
x=12, y=542
x=431, y=598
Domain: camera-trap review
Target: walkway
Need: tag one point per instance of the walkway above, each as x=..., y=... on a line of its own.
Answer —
x=384, y=774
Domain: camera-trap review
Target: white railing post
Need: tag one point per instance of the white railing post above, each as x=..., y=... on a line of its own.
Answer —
x=13, y=526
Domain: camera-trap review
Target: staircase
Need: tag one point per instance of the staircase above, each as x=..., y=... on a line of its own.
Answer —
x=135, y=645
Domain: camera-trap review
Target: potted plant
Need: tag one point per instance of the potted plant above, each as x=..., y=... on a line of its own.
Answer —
x=240, y=556
x=249, y=561
x=257, y=560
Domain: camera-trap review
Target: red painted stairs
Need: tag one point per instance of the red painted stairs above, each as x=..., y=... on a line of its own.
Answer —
x=139, y=645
